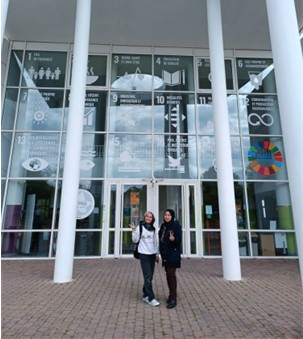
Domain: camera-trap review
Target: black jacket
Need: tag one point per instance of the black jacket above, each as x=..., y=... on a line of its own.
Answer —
x=170, y=250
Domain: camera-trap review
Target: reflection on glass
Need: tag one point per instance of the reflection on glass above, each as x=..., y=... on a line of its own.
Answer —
x=35, y=155
x=40, y=110
x=243, y=244
x=205, y=114
x=9, y=109
x=207, y=157
x=88, y=243
x=259, y=114
x=33, y=244
x=14, y=68
x=129, y=156
x=6, y=140
x=236, y=157
x=127, y=244
x=240, y=205
x=130, y=112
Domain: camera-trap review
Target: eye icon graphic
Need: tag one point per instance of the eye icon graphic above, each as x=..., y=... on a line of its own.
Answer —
x=35, y=164
x=86, y=164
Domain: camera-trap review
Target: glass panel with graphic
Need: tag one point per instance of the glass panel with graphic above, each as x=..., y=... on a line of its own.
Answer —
x=205, y=114
x=96, y=70
x=204, y=74
x=94, y=111
x=40, y=110
x=29, y=210
x=35, y=155
x=90, y=202
x=264, y=158
x=129, y=156
x=9, y=109
x=44, y=69
x=256, y=75
x=174, y=113
x=92, y=155
x=130, y=112
x=134, y=207
x=259, y=114
x=175, y=72
x=133, y=72
x=15, y=67
x=175, y=156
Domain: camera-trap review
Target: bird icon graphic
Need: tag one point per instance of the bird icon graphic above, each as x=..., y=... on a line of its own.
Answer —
x=174, y=162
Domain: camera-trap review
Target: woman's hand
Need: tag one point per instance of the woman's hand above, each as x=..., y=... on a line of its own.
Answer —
x=132, y=226
x=171, y=236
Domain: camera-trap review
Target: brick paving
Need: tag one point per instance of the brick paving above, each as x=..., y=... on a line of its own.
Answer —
x=104, y=300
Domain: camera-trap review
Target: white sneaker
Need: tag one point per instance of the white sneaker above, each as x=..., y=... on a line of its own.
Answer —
x=145, y=299
x=154, y=302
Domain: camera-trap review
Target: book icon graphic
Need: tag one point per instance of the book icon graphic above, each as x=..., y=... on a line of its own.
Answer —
x=171, y=79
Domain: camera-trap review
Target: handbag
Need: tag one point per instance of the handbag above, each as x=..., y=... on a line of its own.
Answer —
x=136, y=245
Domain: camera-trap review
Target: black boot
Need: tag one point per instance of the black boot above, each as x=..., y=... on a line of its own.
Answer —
x=172, y=303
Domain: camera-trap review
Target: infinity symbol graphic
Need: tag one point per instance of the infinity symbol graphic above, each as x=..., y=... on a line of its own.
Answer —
x=260, y=120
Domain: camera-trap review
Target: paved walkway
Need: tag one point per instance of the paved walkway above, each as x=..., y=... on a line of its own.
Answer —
x=105, y=301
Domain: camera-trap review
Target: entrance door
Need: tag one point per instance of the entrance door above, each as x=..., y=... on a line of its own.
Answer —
x=128, y=201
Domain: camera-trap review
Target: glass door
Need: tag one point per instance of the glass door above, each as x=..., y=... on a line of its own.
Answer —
x=184, y=200
x=128, y=201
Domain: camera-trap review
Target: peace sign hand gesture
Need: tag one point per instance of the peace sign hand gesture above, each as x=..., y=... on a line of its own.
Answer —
x=171, y=236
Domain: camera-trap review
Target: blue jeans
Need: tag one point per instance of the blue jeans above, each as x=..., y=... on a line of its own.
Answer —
x=147, y=262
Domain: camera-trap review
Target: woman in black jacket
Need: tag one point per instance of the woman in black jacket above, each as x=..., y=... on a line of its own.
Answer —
x=170, y=237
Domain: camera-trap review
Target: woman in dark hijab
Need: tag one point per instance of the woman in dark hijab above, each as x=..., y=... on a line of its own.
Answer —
x=170, y=237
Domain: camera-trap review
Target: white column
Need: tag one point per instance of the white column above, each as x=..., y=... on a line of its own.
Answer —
x=4, y=8
x=228, y=220
x=288, y=63
x=68, y=208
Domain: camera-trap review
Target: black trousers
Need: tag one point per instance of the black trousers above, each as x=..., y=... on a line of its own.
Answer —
x=171, y=281
x=147, y=262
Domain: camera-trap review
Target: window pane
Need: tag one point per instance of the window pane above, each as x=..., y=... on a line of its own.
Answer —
x=9, y=109
x=15, y=66
x=264, y=158
x=6, y=140
x=269, y=206
x=212, y=243
x=132, y=72
x=204, y=75
x=96, y=70
x=44, y=69
x=88, y=244
x=130, y=112
x=94, y=111
x=205, y=114
x=259, y=114
x=40, y=110
x=256, y=76
x=129, y=156
x=210, y=205
x=207, y=157
x=35, y=155
x=174, y=113
x=175, y=71
x=175, y=156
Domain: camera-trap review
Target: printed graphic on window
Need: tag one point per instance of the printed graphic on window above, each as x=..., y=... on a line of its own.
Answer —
x=176, y=72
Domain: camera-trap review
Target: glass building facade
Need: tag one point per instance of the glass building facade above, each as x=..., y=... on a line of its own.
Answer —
x=148, y=143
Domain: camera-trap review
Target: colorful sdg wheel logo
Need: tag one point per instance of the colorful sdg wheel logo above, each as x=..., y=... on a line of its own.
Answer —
x=265, y=158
